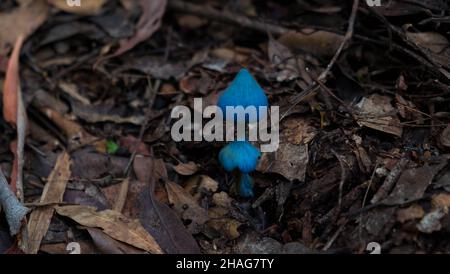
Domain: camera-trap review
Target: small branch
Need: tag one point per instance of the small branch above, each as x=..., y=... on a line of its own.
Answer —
x=348, y=36
x=343, y=177
x=390, y=180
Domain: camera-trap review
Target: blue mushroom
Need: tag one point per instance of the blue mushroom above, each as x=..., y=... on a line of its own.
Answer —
x=243, y=91
x=243, y=156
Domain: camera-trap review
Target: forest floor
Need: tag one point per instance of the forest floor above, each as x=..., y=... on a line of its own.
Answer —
x=86, y=146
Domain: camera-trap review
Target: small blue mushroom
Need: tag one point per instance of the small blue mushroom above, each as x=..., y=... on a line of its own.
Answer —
x=243, y=156
x=243, y=91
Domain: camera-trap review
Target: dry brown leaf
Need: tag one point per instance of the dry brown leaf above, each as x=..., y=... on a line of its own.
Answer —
x=445, y=137
x=21, y=21
x=53, y=192
x=150, y=21
x=91, y=7
x=378, y=113
x=113, y=224
x=186, y=205
x=186, y=169
x=289, y=160
x=199, y=186
x=415, y=211
x=226, y=227
x=321, y=43
x=14, y=113
x=412, y=184
x=229, y=55
x=433, y=44
x=441, y=200
x=108, y=245
x=191, y=21
x=75, y=133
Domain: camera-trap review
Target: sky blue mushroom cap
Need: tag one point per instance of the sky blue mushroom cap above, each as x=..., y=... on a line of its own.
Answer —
x=241, y=155
x=243, y=91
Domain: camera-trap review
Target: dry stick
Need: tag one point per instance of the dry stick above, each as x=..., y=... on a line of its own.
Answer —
x=322, y=77
x=343, y=176
x=347, y=38
x=390, y=180
x=334, y=237
x=122, y=197
x=365, y=198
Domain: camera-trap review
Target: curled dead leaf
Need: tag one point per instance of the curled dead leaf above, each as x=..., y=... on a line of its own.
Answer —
x=186, y=169
x=113, y=224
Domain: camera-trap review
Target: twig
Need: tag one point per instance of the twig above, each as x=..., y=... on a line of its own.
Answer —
x=322, y=77
x=343, y=177
x=334, y=237
x=365, y=198
x=122, y=197
x=390, y=180
x=347, y=38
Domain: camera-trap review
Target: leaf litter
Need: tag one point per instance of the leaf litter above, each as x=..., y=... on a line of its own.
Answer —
x=87, y=95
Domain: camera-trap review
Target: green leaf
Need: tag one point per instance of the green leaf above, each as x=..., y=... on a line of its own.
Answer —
x=111, y=147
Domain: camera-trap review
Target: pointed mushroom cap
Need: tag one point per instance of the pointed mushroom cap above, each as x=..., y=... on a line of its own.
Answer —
x=243, y=91
x=241, y=155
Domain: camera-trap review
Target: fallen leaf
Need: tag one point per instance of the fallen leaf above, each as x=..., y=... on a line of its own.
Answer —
x=167, y=228
x=88, y=164
x=14, y=112
x=98, y=113
x=186, y=169
x=91, y=7
x=21, y=21
x=108, y=245
x=433, y=44
x=229, y=55
x=133, y=144
x=445, y=137
x=190, y=21
x=378, y=113
x=289, y=160
x=188, y=208
x=53, y=192
x=225, y=227
x=441, y=200
x=412, y=184
x=113, y=224
x=318, y=42
x=86, y=247
x=201, y=186
x=412, y=212
x=149, y=22
x=157, y=218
